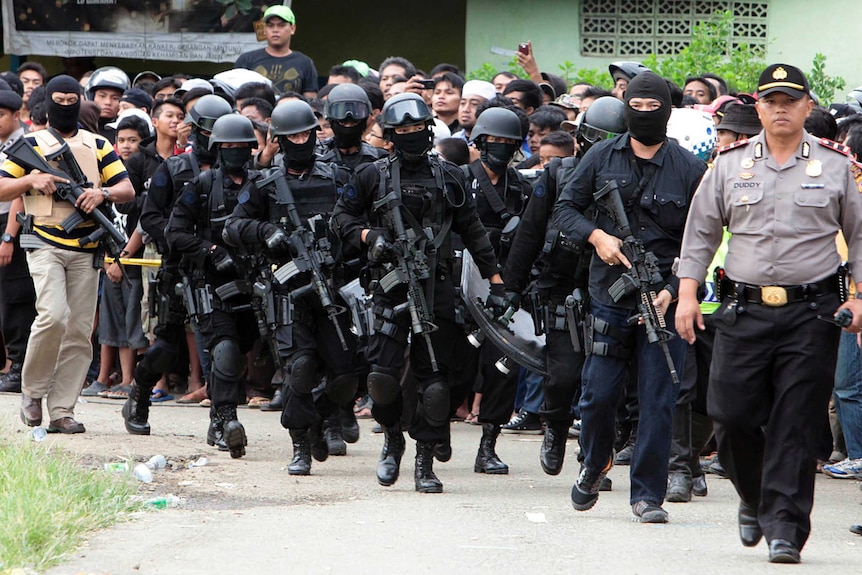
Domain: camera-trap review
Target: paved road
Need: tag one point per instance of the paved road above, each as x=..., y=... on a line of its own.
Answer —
x=250, y=516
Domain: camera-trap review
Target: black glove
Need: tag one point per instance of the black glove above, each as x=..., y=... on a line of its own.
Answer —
x=498, y=301
x=221, y=259
x=380, y=248
x=276, y=242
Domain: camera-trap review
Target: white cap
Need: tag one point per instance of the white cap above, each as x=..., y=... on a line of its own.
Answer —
x=441, y=131
x=239, y=76
x=195, y=83
x=479, y=88
x=133, y=112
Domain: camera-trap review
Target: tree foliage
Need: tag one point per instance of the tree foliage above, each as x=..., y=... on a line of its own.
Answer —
x=822, y=84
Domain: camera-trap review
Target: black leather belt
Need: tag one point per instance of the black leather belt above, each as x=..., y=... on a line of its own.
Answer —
x=777, y=296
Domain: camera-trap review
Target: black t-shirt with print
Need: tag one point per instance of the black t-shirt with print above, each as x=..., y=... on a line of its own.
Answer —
x=294, y=72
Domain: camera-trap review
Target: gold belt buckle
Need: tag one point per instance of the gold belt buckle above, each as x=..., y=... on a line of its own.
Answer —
x=773, y=296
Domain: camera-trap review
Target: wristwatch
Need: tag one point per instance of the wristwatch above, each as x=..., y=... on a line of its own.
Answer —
x=106, y=193
x=7, y=238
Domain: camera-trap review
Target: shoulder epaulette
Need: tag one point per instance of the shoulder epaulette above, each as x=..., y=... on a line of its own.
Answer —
x=840, y=148
x=735, y=144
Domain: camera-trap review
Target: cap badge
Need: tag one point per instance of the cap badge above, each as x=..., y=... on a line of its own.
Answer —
x=814, y=168
x=747, y=163
x=779, y=73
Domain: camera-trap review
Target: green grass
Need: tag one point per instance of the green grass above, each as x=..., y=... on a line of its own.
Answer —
x=49, y=502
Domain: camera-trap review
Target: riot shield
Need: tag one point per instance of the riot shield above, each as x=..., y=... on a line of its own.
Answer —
x=518, y=339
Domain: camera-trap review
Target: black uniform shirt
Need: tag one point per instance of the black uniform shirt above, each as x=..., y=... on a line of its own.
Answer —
x=656, y=213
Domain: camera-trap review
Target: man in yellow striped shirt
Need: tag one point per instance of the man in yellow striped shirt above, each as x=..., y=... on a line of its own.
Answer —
x=64, y=269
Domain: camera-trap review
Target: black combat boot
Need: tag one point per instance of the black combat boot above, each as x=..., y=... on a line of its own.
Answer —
x=136, y=411
x=319, y=448
x=390, y=457
x=332, y=434
x=215, y=432
x=11, y=382
x=553, y=450
x=486, y=459
x=301, y=462
x=233, y=431
x=426, y=480
x=349, y=425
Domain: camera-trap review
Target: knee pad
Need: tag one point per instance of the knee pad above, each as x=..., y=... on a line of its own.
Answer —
x=435, y=400
x=382, y=386
x=228, y=361
x=303, y=374
x=156, y=361
x=341, y=389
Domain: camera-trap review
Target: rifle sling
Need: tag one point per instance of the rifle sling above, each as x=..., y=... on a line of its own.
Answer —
x=490, y=192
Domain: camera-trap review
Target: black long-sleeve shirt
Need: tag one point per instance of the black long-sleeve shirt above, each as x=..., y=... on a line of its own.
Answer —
x=656, y=213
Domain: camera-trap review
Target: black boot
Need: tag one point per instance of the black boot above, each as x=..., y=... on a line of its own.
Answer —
x=426, y=481
x=319, y=448
x=679, y=485
x=486, y=458
x=390, y=457
x=301, y=462
x=234, y=432
x=11, y=382
x=136, y=411
x=332, y=434
x=215, y=432
x=553, y=450
x=277, y=401
x=349, y=425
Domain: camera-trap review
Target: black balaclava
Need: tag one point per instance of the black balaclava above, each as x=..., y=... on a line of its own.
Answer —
x=234, y=160
x=648, y=128
x=497, y=155
x=412, y=147
x=299, y=157
x=200, y=146
x=348, y=136
x=62, y=118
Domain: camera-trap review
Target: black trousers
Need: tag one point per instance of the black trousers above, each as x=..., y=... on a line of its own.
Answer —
x=17, y=300
x=314, y=334
x=389, y=352
x=498, y=389
x=771, y=378
x=562, y=387
x=240, y=327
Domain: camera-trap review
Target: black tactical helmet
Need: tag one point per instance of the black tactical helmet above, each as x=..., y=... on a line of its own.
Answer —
x=602, y=120
x=627, y=70
x=107, y=77
x=498, y=122
x=405, y=109
x=292, y=117
x=232, y=128
x=347, y=102
x=206, y=111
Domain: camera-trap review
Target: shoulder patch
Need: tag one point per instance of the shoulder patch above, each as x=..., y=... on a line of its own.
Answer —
x=160, y=178
x=539, y=190
x=243, y=197
x=189, y=197
x=840, y=148
x=349, y=190
x=732, y=146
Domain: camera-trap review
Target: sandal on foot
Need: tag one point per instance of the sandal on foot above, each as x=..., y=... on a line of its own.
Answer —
x=119, y=392
x=196, y=396
x=159, y=395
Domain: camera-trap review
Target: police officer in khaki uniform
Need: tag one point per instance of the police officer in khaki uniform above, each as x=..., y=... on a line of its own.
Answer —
x=784, y=195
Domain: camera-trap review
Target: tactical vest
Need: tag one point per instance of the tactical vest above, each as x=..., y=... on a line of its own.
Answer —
x=512, y=202
x=46, y=209
x=315, y=193
x=427, y=200
x=217, y=203
x=182, y=169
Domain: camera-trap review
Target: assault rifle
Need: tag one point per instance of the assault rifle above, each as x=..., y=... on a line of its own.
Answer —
x=311, y=252
x=643, y=274
x=112, y=240
x=410, y=267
